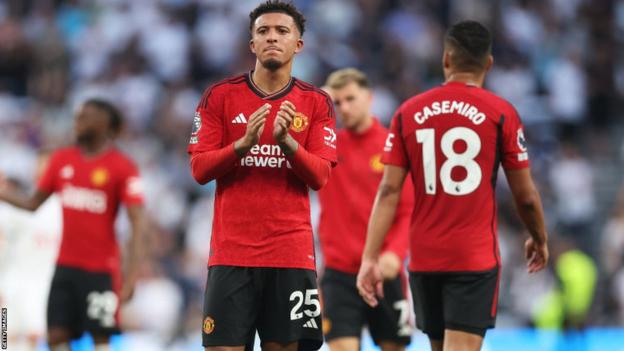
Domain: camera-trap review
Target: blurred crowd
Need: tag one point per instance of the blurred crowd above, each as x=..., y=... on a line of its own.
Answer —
x=555, y=60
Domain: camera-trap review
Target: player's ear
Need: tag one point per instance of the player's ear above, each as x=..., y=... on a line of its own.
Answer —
x=490, y=62
x=446, y=59
x=299, y=46
x=252, y=46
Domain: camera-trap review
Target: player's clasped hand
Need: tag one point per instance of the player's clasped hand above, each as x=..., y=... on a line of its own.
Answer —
x=370, y=282
x=536, y=255
x=255, y=125
x=283, y=120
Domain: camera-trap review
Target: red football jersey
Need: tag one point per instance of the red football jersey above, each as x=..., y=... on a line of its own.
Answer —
x=452, y=139
x=91, y=189
x=347, y=200
x=262, y=209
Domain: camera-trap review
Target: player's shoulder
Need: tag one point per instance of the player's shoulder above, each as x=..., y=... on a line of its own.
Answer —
x=224, y=85
x=310, y=89
x=496, y=101
x=64, y=152
x=420, y=99
x=318, y=95
x=121, y=158
x=229, y=82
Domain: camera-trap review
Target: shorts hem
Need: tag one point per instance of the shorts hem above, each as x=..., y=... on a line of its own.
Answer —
x=466, y=328
x=404, y=341
x=221, y=343
x=286, y=265
x=342, y=335
x=455, y=271
x=437, y=336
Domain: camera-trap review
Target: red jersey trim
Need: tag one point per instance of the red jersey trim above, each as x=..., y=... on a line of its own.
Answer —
x=497, y=158
x=400, y=124
x=309, y=87
x=455, y=271
x=278, y=94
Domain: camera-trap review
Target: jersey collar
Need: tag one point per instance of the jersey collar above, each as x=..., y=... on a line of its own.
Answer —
x=278, y=94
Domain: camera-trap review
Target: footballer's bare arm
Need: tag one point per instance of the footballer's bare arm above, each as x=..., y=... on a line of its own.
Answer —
x=136, y=215
x=529, y=207
x=370, y=277
x=11, y=196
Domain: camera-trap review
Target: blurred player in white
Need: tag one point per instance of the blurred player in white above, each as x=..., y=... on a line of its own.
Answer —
x=29, y=244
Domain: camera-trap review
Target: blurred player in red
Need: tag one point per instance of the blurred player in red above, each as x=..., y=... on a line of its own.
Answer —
x=346, y=203
x=266, y=138
x=451, y=139
x=92, y=179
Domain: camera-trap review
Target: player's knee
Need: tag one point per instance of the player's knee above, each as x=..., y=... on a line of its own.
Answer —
x=391, y=346
x=101, y=340
x=344, y=344
x=57, y=337
x=457, y=340
x=436, y=345
x=64, y=346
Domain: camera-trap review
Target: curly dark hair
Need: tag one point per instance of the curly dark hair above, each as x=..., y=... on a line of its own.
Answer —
x=115, y=117
x=271, y=6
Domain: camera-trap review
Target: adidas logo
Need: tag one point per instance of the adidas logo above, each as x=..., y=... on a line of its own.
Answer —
x=311, y=324
x=240, y=119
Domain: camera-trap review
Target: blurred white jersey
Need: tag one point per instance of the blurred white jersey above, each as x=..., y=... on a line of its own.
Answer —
x=29, y=245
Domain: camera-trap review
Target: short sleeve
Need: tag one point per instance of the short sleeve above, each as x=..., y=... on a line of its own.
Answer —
x=207, y=133
x=394, y=149
x=132, y=186
x=322, y=138
x=48, y=181
x=514, y=154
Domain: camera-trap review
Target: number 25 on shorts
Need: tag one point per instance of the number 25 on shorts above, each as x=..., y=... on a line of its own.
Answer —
x=312, y=306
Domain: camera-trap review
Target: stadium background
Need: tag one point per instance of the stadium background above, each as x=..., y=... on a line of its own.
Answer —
x=558, y=61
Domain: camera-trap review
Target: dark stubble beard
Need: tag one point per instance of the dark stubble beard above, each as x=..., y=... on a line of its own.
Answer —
x=87, y=138
x=272, y=65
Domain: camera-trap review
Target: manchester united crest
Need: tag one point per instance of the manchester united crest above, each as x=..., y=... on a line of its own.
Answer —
x=299, y=123
x=99, y=176
x=375, y=163
x=209, y=325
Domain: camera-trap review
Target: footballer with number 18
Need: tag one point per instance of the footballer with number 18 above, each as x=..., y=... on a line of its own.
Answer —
x=451, y=140
x=266, y=138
